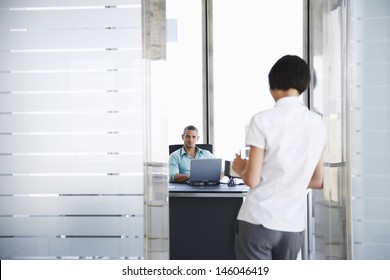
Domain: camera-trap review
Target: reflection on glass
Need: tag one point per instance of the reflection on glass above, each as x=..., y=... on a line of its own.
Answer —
x=328, y=236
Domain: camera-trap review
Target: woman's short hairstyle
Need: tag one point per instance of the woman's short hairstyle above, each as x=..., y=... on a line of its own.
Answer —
x=290, y=71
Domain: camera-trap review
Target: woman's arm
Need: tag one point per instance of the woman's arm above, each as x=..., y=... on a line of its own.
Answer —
x=250, y=170
x=317, y=180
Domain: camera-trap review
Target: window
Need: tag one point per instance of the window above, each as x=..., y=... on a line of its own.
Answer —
x=184, y=67
x=248, y=37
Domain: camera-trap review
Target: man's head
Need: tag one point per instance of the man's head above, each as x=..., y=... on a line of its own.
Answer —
x=190, y=136
x=289, y=72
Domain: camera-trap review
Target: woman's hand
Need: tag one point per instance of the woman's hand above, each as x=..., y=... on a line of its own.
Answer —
x=250, y=170
x=239, y=164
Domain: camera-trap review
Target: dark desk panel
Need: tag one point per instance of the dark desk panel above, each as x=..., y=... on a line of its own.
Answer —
x=202, y=221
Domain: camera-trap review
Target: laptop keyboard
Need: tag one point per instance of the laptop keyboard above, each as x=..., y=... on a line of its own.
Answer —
x=203, y=183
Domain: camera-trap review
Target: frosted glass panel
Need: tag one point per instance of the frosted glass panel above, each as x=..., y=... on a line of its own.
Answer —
x=72, y=129
x=381, y=144
x=103, y=143
x=62, y=3
x=44, y=247
x=371, y=251
x=375, y=8
x=370, y=122
x=71, y=80
x=375, y=209
x=367, y=28
x=372, y=232
x=87, y=101
x=72, y=184
x=371, y=97
x=52, y=39
x=71, y=164
x=81, y=59
x=77, y=122
x=372, y=119
x=72, y=226
x=371, y=164
x=378, y=186
x=72, y=205
x=380, y=51
x=370, y=74
x=41, y=18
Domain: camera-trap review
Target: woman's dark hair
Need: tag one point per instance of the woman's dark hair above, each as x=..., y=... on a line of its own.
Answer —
x=290, y=71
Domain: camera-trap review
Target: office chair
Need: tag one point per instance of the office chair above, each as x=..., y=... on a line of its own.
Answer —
x=208, y=147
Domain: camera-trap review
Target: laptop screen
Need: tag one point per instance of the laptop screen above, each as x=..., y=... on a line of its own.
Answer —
x=205, y=171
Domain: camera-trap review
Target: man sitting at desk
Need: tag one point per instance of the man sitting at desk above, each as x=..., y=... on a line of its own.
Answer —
x=179, y=160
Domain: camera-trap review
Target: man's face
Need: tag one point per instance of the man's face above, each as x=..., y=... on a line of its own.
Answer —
x=190, y=138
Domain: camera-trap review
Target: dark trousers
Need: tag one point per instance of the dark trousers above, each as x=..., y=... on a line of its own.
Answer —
x=255, y=242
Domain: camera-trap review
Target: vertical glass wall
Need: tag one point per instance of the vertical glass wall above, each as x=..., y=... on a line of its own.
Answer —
x=156, y=168
x=248, y=37
x=328, y=220
x=349, y=47
x=369, y=63
x=75, y=131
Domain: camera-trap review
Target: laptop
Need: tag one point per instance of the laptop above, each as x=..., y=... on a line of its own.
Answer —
x=205, y=172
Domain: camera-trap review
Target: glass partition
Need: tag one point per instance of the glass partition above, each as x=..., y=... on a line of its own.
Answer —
x=369, y=64
x=76, y=154
x=328, y=222
x=350, y=57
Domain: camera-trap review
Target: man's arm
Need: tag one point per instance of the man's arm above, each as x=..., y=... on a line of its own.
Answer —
x=181, y=178
x=174, y=175
x=173, y=168
x=317, y=180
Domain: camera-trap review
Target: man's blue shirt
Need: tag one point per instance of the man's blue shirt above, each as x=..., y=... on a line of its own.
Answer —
x=179, y=161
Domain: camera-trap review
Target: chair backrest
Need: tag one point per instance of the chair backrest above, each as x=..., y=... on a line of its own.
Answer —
x=208, y=147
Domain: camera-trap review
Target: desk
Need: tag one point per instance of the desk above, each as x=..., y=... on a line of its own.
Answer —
x=202, y=221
